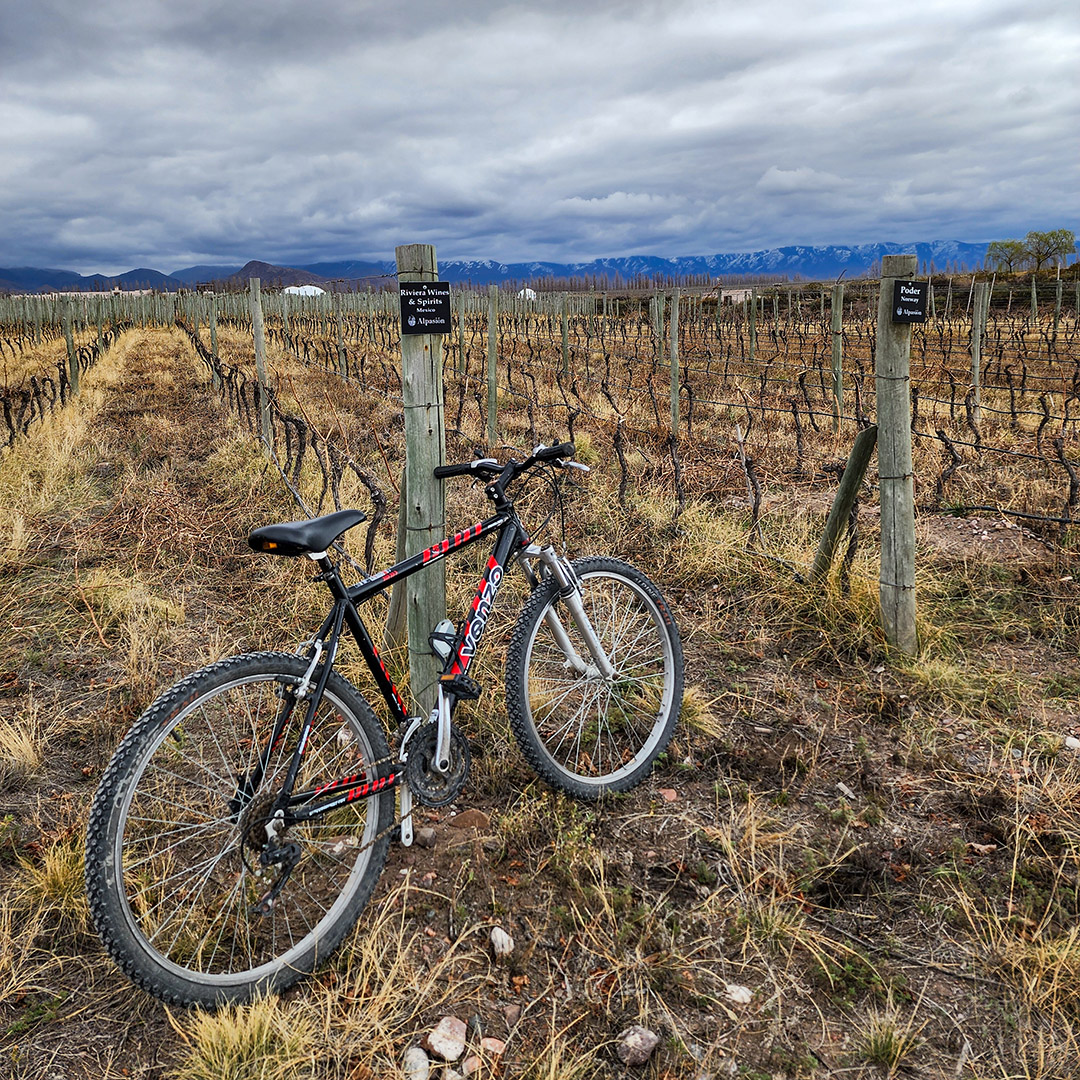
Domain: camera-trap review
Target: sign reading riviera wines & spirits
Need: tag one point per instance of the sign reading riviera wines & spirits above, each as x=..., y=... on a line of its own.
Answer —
x=425, y=307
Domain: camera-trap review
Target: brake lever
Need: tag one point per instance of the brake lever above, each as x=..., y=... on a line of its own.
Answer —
x=563, y=463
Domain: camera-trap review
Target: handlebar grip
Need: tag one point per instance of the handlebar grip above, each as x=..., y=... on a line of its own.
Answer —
x=550, y=453
x=479, y=467
x=442, y=472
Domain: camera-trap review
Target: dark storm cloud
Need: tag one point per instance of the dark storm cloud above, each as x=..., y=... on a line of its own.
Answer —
x=167, y=134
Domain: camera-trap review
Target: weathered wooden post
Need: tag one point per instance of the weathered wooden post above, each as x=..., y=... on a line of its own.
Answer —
x=895, y=469
x=425, y=448
x=837, y=353
x=73, y=356
x=215, y=378
x=844, y=500
x=492, y=361
x=753, y=324
x=565, y=322
x=978, y=327
x=342, y=363
x=658, y=327
x=673, y=329
x=286, y=337
x=461, y=331
x=258, y=333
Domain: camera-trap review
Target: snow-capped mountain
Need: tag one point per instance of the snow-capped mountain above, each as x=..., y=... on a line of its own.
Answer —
x=805, y=262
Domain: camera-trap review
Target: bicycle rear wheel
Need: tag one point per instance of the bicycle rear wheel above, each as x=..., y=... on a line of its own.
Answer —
x=172, y=855
x=581, y=731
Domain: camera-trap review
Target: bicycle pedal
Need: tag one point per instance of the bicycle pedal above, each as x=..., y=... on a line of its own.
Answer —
x=461, y=686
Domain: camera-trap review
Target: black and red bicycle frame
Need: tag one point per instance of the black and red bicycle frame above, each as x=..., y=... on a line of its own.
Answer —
x=331, y=794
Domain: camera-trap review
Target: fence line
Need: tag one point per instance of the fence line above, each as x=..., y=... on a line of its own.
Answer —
x=602, y=364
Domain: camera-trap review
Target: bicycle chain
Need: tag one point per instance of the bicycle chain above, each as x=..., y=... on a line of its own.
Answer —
x=375, y=768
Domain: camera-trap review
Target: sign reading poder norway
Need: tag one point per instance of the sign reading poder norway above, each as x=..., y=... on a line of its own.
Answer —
x=909, y=301
x=425, y=307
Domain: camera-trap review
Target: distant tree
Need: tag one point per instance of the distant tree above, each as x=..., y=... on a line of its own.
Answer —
x=1007, y=254
x=1045, y=247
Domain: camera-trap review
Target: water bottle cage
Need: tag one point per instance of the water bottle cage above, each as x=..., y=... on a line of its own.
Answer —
x=441, y=639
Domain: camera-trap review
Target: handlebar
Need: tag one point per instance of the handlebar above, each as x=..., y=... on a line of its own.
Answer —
x=485, y=468
x=489, y=468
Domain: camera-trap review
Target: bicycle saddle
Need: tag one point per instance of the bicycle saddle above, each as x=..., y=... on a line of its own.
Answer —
x=304, y=537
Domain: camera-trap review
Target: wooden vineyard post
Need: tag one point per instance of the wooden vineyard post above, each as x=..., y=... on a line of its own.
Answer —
x=258, y=333
x=837, y=353
x=286, y=337
x=492, y=358
x=978, y=327
x=214, y=377
x=673, y=329
x=343, y=367
x=425, y=449
x=564, y=319
x=72, y=355
x=461, y=331
x=753, y=325
x=895, y=469
x=846, y=494
x=658, y=326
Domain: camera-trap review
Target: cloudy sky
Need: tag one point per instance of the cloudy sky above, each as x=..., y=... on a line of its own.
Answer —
x=139, y=133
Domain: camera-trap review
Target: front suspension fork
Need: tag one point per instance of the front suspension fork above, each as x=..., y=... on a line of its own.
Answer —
x=570, y=593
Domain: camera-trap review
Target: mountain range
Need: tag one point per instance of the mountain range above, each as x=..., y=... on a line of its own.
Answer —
x=798, y=262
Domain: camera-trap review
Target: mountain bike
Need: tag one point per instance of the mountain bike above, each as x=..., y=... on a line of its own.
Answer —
x=244, y=820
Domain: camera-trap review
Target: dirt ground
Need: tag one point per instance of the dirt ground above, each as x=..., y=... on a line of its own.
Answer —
x=872, y=849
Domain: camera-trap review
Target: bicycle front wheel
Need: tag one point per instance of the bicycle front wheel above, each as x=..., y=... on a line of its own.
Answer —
x=581, y=730
x=176, y=886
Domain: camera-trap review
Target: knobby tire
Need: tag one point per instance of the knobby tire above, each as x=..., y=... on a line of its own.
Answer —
x=172, y=871
x=582, y=733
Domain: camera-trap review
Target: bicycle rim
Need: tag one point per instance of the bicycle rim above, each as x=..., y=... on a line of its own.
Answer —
x=190, y=864
x=597, y=732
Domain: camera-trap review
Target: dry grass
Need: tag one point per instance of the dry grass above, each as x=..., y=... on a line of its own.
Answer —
x=263, y=1041
x=24, y=743
x=950, y=859
x=886, y=1039
x=41, y=359
x=52, y=884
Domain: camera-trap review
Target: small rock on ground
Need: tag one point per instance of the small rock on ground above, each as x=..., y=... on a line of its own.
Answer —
x=447, y=1039
x=636, y=1045
x=501, y=942
x=470, y=819
x=415, y=1064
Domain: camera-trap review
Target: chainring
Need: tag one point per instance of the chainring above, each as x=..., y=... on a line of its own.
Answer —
x=430, y=787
